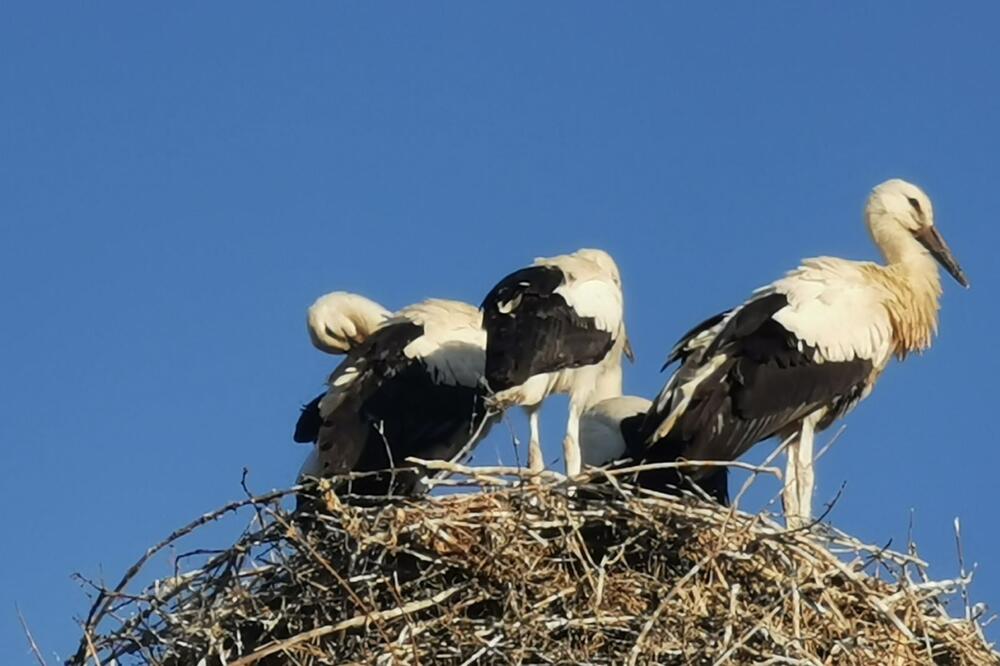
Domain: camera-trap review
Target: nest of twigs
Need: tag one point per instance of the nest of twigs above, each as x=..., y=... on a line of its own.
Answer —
x=532, y=573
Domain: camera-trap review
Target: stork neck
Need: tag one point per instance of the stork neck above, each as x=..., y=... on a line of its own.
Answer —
x=911, y=262
x=898, y=245
x=921, y=272
x=608, y=384
x=913, y=278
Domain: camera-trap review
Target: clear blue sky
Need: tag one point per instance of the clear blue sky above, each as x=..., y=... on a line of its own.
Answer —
x=178, y=182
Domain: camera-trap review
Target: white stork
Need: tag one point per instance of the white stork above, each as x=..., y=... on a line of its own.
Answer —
x=337, y=323
x=609, y=430
x=804, y=350
x=340, y=320
x=556, y=327
x=412, y=387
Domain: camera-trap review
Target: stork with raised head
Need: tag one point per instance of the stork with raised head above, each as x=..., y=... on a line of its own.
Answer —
x=804, y=350
x=556, y=327
x=412, y=387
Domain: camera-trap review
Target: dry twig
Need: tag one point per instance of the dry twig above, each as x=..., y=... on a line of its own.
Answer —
x=35, y=652
x=520, y=572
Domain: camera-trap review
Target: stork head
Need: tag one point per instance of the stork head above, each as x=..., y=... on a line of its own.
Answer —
x=897, y=211
x=340, y=320
x=603, y=261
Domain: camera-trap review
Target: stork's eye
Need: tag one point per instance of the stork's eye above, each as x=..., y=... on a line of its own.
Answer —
x=915, y=204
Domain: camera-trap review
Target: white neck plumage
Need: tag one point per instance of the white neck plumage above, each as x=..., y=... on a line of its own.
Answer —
x=913, y=278
x=608, y=383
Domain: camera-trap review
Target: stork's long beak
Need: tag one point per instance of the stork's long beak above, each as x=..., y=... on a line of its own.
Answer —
x=629, y=354
x=932, y=239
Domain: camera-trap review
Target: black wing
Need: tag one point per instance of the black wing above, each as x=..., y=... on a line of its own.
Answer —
x=307, y=427
x=768, y=381
x=410, y=415
x=392, y=409
x=681, y=349
x=531, y=330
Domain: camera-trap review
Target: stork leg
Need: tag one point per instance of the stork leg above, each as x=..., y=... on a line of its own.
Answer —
x=790, y=493
x=571, y=443
x=806, y=475
x=799, y=475
x=536, y=464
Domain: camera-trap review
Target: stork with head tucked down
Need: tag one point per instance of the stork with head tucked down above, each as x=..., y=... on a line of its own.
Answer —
x=804, y=350
x=412, y=387
x=337, y=323
x=610, y=429
x=556, y=327
x=340, y=320
x=611, y=435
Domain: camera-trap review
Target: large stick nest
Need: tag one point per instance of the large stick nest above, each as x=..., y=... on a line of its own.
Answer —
x=523, y=573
